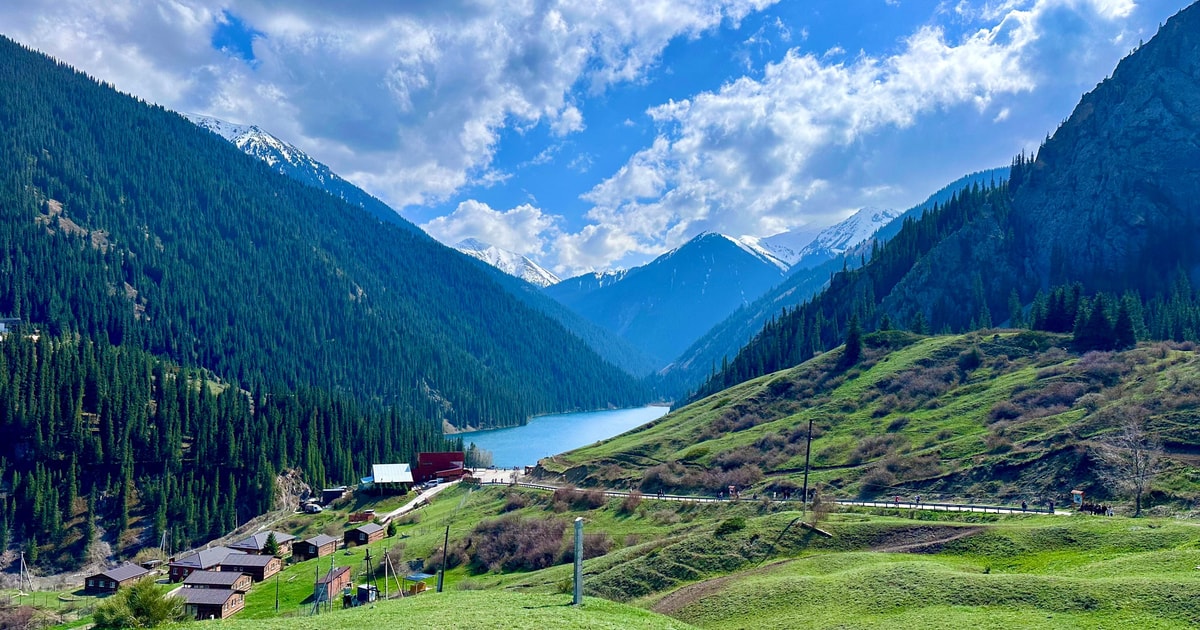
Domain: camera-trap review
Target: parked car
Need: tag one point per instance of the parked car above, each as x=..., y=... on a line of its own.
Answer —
x=311, y=508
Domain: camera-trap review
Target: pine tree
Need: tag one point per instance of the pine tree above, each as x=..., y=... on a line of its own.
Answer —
x=1124, y=336
x=853, y=349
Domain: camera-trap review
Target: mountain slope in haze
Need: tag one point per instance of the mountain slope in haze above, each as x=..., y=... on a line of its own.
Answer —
x=1109, y=202
x=663, y=306
x=723, y=341
x=512, y=263
x=291, y=161
x=128, y=224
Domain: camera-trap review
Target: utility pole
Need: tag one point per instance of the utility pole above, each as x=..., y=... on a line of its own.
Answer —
x=807, y=453
x=442, y=572
x=578, y=561
x=277, y=591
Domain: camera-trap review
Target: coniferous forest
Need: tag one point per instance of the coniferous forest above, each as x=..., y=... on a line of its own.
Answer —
x=203, y=324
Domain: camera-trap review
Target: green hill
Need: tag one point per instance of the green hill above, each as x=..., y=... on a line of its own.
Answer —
x=1008, y=416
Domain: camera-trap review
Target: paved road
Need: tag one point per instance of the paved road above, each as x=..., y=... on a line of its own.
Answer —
x=940, y=507
x=421, y=499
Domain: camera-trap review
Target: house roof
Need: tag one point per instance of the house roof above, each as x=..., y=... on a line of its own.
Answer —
x=246, y=560
x=417, y=577
x=333, y=574
x=368, y=529
x=205, y=558
x=205, y=596
x=320, y=540
x=392, y=473
x=212, y=578
x=124, y=572
x=258, y=541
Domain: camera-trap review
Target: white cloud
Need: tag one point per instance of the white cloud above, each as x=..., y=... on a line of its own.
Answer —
x=407, y=99
x=524, y=229
x=792, y=146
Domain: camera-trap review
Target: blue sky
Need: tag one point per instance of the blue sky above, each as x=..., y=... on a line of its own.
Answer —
x=591, y=135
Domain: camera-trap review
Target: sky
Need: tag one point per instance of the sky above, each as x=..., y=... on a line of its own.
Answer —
x=599, y=134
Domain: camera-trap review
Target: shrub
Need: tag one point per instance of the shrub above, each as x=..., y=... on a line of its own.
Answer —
x=970, y=359
x=1004, y=410
x=514, y=501
x=511, y=543
x=898, y=424
x=142, y=605
x=631, y=502
x=729, y=526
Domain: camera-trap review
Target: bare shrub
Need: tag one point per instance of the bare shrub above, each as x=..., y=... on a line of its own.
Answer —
x=1004, y=410
x=898, y=424
x=511, y=543
x=1091, y=402
x=631, y=502
x=877, y=480
x=514, y=501
x=1103, y=367
x=594, y=545
x=632, y=540
x=997, y=443
x=770, y=442
x=875, y=446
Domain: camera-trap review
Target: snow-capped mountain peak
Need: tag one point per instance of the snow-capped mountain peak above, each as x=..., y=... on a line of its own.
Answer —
x=509, y=262
x=765, y=251
x=841, y=237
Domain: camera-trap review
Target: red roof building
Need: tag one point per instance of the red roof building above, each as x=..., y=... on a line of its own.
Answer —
x=447, y=466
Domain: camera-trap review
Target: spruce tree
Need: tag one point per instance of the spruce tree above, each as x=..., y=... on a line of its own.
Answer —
x=1124, y=336
x=853, y=349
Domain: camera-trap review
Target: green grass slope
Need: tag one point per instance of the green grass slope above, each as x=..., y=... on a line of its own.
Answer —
x=995, y=416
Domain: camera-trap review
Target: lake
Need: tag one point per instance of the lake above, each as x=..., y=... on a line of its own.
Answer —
x=549, y=435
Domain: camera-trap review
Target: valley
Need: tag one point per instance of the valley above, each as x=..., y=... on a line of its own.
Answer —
x=800, y=406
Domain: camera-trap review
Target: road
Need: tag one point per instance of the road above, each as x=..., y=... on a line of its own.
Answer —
x=905, y=505
x=421, y=499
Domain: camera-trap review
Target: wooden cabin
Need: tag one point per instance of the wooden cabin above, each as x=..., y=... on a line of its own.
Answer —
x=113, y=579
x=316, y=547
x=226, y=580
x=206, y=560
x=258, y=542
x=364, y=534
x=259, y=567
x=211, y=603
x=331, y=584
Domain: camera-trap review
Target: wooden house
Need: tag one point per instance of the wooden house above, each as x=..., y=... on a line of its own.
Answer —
x=258, y=566
x=211, y=603
x=364, y=534
x=332, y=583
x=258, y=542
x=206, y=560
x=226, y=580
x=316, y=547
x=111, y=580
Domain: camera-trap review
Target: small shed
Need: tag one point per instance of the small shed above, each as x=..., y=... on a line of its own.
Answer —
x=221, y=580
x=329, y=495
x=113, y=579
x=211, y=603
x=364, y=534
x=206, y=560
x=316, y=547
x=258, y=542
x=415, y=583
x=259, y=567
x=333, y=581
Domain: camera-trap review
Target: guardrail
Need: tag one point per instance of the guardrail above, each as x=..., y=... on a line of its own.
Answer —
x=904, y=505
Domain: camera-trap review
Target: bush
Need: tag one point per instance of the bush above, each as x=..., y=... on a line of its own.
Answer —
x=970, y=359
x=514, y=501
x=898, y=424
x=631, y=502
x=142, y=605
x=1004, y=410
x=511, y=543
x=729, y=526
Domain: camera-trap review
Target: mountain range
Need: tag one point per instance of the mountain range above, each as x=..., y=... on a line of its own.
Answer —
x=150, y=231
x=1103, y=218
x=509, y=262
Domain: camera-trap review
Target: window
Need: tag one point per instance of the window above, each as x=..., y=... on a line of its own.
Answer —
x=91, y=582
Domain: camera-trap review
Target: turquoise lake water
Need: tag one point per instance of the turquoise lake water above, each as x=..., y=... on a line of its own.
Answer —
x=549, y=435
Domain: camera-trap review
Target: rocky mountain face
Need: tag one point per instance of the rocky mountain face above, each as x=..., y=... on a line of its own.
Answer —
x=842, y=237
x=509, y=262
x=665, y=305
x=1115, y=192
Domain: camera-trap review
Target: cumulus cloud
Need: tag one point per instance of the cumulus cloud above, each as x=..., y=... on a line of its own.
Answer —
x=405, y=98
x=765, y=153
x=524, y=229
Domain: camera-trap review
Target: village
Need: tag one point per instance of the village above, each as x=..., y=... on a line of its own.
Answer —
x=216, y=582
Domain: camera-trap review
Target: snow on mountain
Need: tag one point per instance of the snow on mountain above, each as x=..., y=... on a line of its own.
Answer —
x=841, y=237
x=512, y=263
x=295, y=163
x=786, y=246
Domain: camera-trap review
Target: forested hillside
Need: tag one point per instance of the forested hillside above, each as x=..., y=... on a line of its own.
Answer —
x=1108, y=203
x=125, y=223
x=95, y=437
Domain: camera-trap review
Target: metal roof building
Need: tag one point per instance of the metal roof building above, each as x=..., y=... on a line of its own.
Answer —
x=391, y=473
